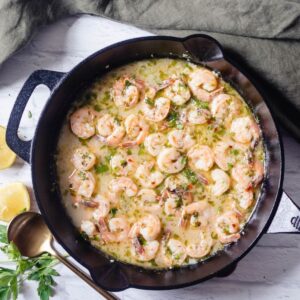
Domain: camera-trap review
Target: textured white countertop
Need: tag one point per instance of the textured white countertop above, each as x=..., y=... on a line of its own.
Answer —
x=270, y=271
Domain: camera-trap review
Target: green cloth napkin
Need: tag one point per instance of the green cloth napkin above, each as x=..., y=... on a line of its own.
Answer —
x=263, y=35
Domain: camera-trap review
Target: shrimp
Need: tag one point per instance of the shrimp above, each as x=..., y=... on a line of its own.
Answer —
x=148, y=201
x=202, y=83
x=224, y=106
x=198, y=212
x=82, y=183
x=226, y=153
x=103, y=207
x=180, y=139
x=83, y=159
x=245, y=197
x=82, y=122
x=116, y=231
x=136, y=129
x=176, y=182
x=88, y=228
x=110, y=131
x=122, y=164
x=248, y=174
x=201, y=247
x=228, y=227
x=173, y=204
x=145, y=251
x=126, y=92
x=171, y=161
x=222, y=182
x=245, y=130
x=200, y=157
x=177, y=91
x=119, y=185
x=198, y=115
x=148, y=176
x=154, y=143
x=157, y=109
x=149, y=227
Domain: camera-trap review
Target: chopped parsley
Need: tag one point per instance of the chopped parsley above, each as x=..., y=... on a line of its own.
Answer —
x=200, y=104
x=113, y=211
x=149, y=101
x=101, y=168
x=190, y=175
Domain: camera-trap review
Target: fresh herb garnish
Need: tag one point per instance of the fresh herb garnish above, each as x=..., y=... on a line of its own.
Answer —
x=200, y=104
x=113, y=211
x=101, y=168
x=127, y=83
x=190, y=175
x=141, y=240
x=149, y=101
x=29, y=114
x=40, y=269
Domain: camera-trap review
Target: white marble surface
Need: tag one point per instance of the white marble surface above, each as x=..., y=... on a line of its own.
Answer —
x=270, y=271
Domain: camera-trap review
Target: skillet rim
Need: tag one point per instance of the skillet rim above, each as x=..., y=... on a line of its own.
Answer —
x=270, y=212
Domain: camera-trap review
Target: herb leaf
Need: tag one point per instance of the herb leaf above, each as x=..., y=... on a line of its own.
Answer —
x=101, y=168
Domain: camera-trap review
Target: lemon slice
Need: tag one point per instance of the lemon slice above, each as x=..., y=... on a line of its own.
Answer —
x=14, y=199
x=7, y=156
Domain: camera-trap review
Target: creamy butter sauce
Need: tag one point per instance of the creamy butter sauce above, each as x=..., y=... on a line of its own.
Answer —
x=161, y=163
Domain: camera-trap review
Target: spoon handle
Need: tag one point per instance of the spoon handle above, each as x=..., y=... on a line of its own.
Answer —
x=107, y=295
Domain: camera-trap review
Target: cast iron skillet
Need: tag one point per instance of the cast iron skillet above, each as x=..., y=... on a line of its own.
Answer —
x=39, y=152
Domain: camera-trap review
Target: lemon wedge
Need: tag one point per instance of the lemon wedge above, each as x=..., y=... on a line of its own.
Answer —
x=7, y=156
x=14, y=199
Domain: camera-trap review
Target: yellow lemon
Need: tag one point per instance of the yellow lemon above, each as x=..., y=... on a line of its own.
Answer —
x=14, y=199
x=7, y=156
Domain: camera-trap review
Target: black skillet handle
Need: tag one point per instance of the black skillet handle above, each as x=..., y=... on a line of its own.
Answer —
x=287, y=217
x=46, y=77
x=203, y=48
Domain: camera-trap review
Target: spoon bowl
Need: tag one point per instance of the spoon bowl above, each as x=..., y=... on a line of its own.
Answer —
x=30, y=234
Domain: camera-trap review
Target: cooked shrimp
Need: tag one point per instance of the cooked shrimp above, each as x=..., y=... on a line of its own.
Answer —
x=149, y=227
x=83, y=159
x=116, y=231
x=110, y=131
x=176, y=182
x=136, y=129
x=227, y=152
x=177, y=251
x=202, y=82
x=180, y=139
x=177, y=91
x=198, y=212
x=82, y=122
x=171, y=161
x=248, y=174
x=245, y=197
x=245, y=130
x=201, y=157
x=221, y=182
x=154, y=143
x=102, y=209
x=88, y=228
x=126, y=92
x=156, y=109
x=122, y=164
x=148, y=201
x=82, y=183
x=120, y=185
x=148, y=176
x=227, y=227
x=201, y=247
x=198, y=115
x=224, y=106
x=173, y=204
x=145, y=252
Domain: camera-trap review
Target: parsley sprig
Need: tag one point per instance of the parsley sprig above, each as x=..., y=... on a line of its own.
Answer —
x=40, y=269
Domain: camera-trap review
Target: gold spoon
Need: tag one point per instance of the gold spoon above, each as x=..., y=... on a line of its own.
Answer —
x=30, y=234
